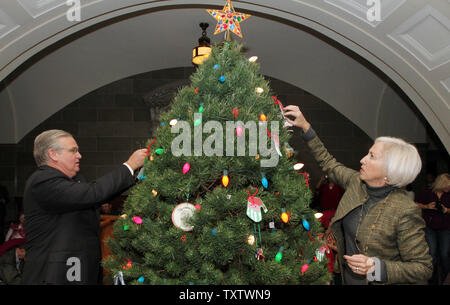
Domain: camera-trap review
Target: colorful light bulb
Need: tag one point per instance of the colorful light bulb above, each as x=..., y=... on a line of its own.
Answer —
x=173, y=122
x=263, y=117
x=253, y=59
x=279, y=255
x=251, y=239
x=225, y=178
x=137, y=220
x=201, y=108
x=264, y=181
x=298, y=166
x=186, y=168
x=284, y=216
x=304, y=268
x=305, y=224
x=159, y=151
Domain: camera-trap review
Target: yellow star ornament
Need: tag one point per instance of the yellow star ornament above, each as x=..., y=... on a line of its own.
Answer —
x=228, y=19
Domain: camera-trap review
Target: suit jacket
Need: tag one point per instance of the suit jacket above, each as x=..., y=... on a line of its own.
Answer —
x=10, y=273
x=393, y=230
x=62, y=225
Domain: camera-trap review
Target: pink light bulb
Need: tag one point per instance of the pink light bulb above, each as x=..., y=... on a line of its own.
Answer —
x=137, y=220
x=186, y=168
x=304, y=268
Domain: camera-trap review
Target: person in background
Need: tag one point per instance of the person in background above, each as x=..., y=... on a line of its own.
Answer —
x=15, y=236
x=378, y=229
x=106, y=231
x=329, y=194
x=435, y=204
x=61, y=216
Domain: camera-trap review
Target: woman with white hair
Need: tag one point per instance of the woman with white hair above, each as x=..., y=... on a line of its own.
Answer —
x=378, y=230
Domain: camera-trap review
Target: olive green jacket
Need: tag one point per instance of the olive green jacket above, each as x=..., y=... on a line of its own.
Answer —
x=393, y=229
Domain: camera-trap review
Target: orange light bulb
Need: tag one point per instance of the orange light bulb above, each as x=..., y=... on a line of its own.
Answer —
x=285, y=217
x=263, y=117
x=225, y=179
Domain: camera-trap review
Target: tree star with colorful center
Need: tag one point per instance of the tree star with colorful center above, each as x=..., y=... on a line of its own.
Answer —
x=228, y=19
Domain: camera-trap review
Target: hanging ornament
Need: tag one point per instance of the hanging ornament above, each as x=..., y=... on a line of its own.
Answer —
x=284, y=216
x=180, y=215
x=320, y=253
x=225, y=179
x=254, y=205
x=186, y=168
x=279, y=255
x=259, y=254
x=141, y=173
x=264, y=181
x=288, y=150
x=137, y=220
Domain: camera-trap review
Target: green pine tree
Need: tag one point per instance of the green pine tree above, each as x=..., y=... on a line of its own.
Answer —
x=216, y=250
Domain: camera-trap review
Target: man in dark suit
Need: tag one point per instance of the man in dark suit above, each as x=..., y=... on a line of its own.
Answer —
x=61, y=217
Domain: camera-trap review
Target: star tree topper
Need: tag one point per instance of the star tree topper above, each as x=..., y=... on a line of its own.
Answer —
x=228, y=19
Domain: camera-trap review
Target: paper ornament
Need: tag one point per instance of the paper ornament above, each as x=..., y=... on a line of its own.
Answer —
x=254, y=205
x=181, y=213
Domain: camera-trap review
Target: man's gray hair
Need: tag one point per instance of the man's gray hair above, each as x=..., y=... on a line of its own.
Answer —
x=45, y=141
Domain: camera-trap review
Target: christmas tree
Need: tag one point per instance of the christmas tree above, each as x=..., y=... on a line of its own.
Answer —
x=218, y=201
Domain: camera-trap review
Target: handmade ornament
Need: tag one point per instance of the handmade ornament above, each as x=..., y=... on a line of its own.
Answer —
x=228, y=19
x=288, y=150
x=254, y=206
x=259, y=254
x=180, y=215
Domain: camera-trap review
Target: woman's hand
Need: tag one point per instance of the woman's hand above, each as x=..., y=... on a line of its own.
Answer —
x=360, y=264
x=299, y=119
